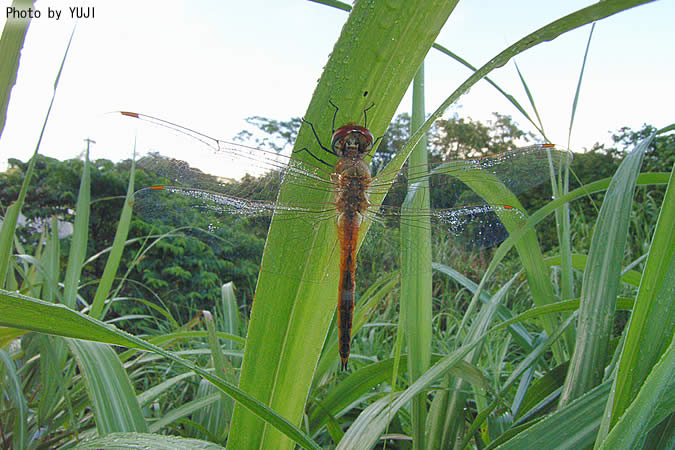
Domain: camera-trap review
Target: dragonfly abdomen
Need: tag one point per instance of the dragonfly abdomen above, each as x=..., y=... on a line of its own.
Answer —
x=348, y=231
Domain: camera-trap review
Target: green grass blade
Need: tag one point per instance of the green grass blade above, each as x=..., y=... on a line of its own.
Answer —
x=19, y=311
x=230, y=311
x=19, y=406
x=650, y=327
x=290, y=319
x=113, y=262
x=12, y=213
x=416, y=301
x=110, y=392
x=371, y=423
x=7, y=335
x=576, y=93
x=146, y=440
x=653, y=403
x=78, y=243
x=540, y=128
x=601, y=280
x=216, y=416
x=13, y=37
x=365, y=380
x=508, y=96
x=518, y=332
x=573, y=426
x=201, y=402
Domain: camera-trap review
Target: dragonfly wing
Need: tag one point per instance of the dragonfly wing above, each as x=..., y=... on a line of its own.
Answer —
x=469, y=227
x=213, y=217
x=189, y=158
x=518, y=170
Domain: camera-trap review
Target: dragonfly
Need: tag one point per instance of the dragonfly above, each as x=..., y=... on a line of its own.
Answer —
x=341, y=178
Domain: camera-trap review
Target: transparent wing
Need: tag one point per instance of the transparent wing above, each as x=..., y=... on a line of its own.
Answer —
x=196, y=191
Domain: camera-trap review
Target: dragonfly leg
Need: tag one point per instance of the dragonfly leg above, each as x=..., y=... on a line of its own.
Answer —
x=334, y=115
x=365, y=117
x=305, y=149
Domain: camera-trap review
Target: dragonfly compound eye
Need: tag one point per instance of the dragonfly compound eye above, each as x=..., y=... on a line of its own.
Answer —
x=352, y=140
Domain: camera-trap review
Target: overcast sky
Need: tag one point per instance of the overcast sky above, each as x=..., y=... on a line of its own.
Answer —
x=210, y=64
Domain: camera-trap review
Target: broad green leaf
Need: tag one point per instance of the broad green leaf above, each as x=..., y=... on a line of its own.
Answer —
x=373, y=61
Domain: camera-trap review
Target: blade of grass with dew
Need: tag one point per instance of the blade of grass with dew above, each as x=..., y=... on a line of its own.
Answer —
x=548, y=32
x=644, y=179
x=415, y=278
x=545, y=211
x=36, y=315
x=113, y=262
x=373, y=61
x=109, y=389
x=601, y=280
x=650, y=327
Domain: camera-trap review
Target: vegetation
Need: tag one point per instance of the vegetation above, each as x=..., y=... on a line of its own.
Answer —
x=566, y=342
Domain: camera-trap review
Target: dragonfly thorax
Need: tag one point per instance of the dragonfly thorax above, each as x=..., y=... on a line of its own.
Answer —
x=352, y=141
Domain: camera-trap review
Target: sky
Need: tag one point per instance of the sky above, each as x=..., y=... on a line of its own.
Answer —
x=209, y=64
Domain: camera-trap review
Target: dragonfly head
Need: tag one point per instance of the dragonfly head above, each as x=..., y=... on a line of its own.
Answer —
x=352, y=141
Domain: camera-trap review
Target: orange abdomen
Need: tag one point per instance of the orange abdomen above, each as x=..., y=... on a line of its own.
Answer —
x=348, y=232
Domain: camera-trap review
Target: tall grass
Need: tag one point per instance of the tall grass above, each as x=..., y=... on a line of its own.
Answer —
x=499, y=375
